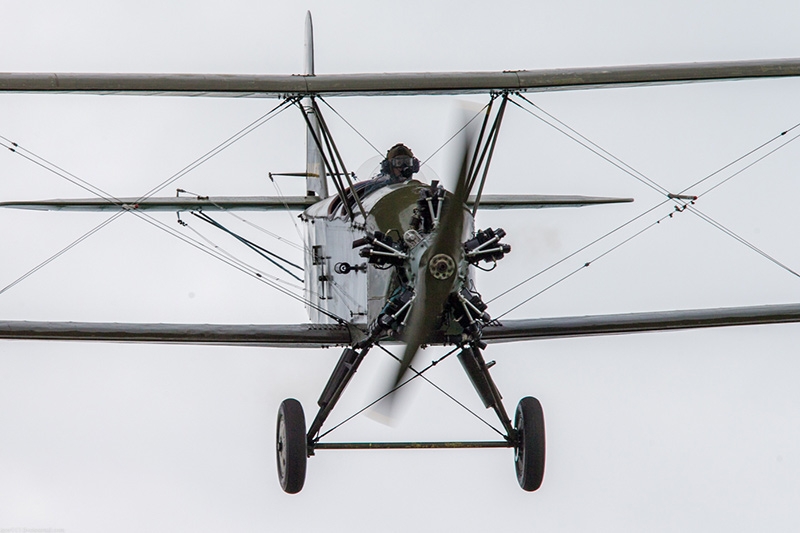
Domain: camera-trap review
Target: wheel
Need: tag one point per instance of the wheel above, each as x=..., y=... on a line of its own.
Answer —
x=290, y=445
x=529, y=452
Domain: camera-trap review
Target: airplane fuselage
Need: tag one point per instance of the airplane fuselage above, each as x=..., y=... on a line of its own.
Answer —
x=342, y=282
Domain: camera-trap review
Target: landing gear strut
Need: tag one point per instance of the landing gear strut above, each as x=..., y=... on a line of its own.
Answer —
x=526, y=436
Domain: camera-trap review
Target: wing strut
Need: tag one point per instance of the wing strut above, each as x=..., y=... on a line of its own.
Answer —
x=334, y=150
x=486, y=149
x=337, y=181
x=330, y=155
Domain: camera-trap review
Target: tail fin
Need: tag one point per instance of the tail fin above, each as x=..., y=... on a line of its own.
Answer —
x=316, y=182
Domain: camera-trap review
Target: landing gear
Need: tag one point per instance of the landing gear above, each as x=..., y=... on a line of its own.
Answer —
x=529, y=450
x=526, y=436
x=291, y=446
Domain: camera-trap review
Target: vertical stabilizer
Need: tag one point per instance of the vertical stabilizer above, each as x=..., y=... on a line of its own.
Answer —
x=316, y=183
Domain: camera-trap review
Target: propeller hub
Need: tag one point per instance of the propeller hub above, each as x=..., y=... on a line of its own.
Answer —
x=442, y=266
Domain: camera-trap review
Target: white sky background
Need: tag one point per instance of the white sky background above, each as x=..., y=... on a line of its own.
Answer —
x=658, y=432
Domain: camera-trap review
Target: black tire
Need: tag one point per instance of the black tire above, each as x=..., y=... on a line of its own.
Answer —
x=529, y=453
x=290, y=445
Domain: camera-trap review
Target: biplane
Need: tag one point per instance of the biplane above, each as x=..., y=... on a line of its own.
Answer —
x=390, y=258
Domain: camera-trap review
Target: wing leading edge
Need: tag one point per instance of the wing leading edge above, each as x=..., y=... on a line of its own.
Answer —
x=320, y=336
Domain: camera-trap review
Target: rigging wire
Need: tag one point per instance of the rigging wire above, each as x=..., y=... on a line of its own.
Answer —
x=437, y=387
x=253, y=225
x=728, y=232
x=353, y=305
x=302, y=248
x=448, y=141
x=641, y=177
x=227, y=143
x=749, y=165
x=685, y=207
x=725, y=230
x=55, y=169
x=231, y=261
x=239, y=265
x=579, y=250
x=593, y=147
x=87, y=186
x=351, y=126
x=72, y=178
x=243, y=267
x=633, y=171
x=291, y=215
x=219, y=249
x=150, y=220
x=62, y=251
x=417, y=374
x=97, y=191
x=630, y=170
x=263, y=252
x=587, y=264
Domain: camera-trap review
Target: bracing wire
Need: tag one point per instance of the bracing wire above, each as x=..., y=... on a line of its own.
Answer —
x=728, y=232
x=32, y=157
x=462, y=128
x=437, y=387
x=747, y=166
x=227, y=143
x=61, y=252
x=351, y=126
x=576, y=252
x=417, y=374
x=291, y=215
x=242, y=267
x=253, y=225
x=585, y=265
x=641, y=177
x=263, y=252
x=591, y=146
x=211, y=245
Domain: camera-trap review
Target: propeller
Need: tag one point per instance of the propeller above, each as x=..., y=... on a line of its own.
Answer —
x=437, y=273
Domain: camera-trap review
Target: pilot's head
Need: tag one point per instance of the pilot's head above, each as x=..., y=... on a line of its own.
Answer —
x=400, y=162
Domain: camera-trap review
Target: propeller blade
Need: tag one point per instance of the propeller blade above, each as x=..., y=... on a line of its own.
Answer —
x=438, y=268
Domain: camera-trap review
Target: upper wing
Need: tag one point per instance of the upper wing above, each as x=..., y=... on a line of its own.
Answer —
x=314, y=335
x=394, y=83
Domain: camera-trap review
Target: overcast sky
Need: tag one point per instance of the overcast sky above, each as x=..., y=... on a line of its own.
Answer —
x=658, y=432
